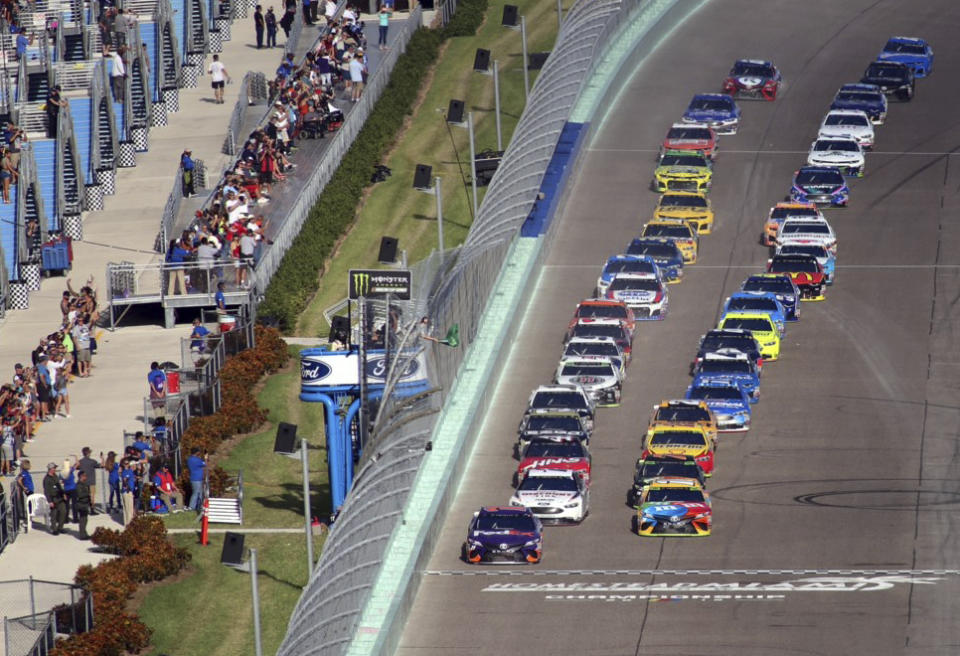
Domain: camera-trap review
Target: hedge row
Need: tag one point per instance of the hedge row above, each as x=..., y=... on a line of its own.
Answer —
x=296, y=279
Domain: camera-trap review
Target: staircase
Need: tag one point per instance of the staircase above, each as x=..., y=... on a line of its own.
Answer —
x=45, y=157
x=38, y=86
x=70, y=179
x=227, y=510
x=196, y=28
x=73, y=47
x=8, y=234
x=138, y=94
x=105, y=137
x=148, y=37
x=180, y=23
x=80, y=111
x=32, y=213
x=118, y=117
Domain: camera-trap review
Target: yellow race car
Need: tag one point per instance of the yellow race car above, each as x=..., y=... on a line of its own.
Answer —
x=674, y=507
x=682, y=441
x=682, y=171
x=679, y=232
x=680, y=413
x=762, y=327
x=692, y=207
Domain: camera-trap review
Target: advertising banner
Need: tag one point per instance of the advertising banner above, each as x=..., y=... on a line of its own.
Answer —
x=322, y=370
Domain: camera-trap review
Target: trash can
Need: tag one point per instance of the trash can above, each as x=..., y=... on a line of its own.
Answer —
x=227, y=323
x=173, y=382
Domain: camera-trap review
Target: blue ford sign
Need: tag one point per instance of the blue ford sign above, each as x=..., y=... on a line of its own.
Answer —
x=377, y=367
x=313, y=371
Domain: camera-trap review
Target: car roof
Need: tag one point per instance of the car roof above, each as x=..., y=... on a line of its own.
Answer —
x=600, y=301
x=558, y=388
x=712, y=96
x=636, y=276
x=838, y=137
x=592, y=339
x=727, y=332
x=754, y=61
x=599, y=321
x=674, y=482
x=622, y=258
x=684, y=153
x=747, y=315
x=683, y=193
x=690, y=125
x=887, y=62
x=912, y=40
x=743, y=294
x=506, y=510
x=590, y=362
x=861, y=86
x=669, y=403
x=818, y=169
x=550, y=473
x=847, y=112
x=726, y=357
x=667, y=428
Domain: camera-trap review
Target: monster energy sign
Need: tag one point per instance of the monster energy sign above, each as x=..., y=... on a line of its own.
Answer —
x=377, y=283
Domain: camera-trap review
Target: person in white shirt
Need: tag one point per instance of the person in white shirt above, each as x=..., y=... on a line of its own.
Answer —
x=118, y=72
x=356, y=76
x=330, y=9
x=218, y=76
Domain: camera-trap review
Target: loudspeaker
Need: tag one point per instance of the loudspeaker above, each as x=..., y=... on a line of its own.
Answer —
x=340, y=328
x=232, y=553
x=423, y=177
x=455, y=111
x=481, y=61
x=509, y=16
x=286, y=438
x=388, y=250
x=536, y=60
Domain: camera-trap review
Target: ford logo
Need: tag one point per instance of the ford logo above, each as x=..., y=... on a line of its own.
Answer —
x=377, y=367
x=313, y=371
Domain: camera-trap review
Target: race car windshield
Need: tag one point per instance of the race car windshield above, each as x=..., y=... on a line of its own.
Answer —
x=716, y=394
x=689, y=134
x=683, y=414
x=884, y=72
x=677, y=231
x=598, y=330
x=787, y=212
x=710, y=105
x=763, y=304
x=744, y=343
x=678, y=438
x=670, y=468
x=775, y=285
x=558, y=400
x=743, y=323
x=750, y=69
x=629, y=266
x=859, y=96
x=505, y=522
x=663, y=251
x=815, y=178
x=554, y=450
x=678, y=200
x=793, y=264
x=681, y=160
x=565, y=424
x=847, y=119
x=725, y=367
x=604, y=311
x=804, y=249
x=597, y=348
x=548, y=484
x=585, y=369
x=674, y=494
x=634, y=284
x=806, y=228
x=904, y=48
x=824, y=146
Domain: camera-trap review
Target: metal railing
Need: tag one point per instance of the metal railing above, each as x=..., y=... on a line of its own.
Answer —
x=129, y=284
x=171, y=210
x=35, y=612
x=253, y=88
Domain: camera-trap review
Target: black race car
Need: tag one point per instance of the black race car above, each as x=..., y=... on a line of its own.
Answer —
x=893, y=79
x=653, y=467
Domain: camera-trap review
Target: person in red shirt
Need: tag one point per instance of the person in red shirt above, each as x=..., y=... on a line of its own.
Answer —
x=167, y=489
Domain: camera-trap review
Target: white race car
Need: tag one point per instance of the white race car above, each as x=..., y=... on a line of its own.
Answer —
x=807, y=231
x=600, y=378
x=852, y=123
x=596, y=348
x=553, y=495
x=843, y=153
x=644, y=293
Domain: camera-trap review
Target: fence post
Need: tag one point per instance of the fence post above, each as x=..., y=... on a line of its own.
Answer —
x=33, y=600
x=6, y=635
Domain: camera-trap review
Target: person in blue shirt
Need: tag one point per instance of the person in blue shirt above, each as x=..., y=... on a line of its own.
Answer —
x=25, y=484
x=161, y=433
x=177, y=254
x=141, y=446
x=187, y=167
x=198, y=337
x=22, y=42
x=157, y=383
x=69, y=478
x=220, y=299
x=113, y=478
x=128, y=483
x=196, y=465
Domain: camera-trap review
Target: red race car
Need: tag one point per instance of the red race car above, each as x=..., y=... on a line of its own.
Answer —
x=805, y=271
x=753, y=78
x=604, y=308
x=695, y=137
x=568, y=455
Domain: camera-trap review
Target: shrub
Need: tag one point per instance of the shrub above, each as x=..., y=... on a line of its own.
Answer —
x=296, y=279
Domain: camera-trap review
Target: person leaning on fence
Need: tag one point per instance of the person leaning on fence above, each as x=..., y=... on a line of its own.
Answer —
x=53, y=104
x=187, y=166
x=53, y=491
x=157, y=383
x=177, y=255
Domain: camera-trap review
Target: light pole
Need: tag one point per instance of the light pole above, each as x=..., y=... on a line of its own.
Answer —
x=437, y=192
x=496, y=102
x=559, y=14
x=473, y=163
x=307, y=515
x=255, y=591
x=523, y=41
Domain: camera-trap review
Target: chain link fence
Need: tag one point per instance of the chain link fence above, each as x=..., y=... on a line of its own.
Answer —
x=456, y=285
x=54, y=608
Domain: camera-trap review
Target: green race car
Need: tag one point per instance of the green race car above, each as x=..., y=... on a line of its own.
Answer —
x=680, y=170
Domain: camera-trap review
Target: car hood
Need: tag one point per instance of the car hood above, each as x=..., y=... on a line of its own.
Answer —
x=633, y=295
x=588, y=381
x=530, y=498
x=749, y=81
x=835, y=156
x=902, y=57
x=681, y=170
x=686, y=143
x=708, y=114
x=819, y=188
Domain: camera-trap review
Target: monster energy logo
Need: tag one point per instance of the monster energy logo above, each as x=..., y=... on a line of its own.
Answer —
x=377, y=283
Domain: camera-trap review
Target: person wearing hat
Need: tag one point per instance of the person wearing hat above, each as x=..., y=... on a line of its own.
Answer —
x=357, y=69
x=187, y=165
x=83, y=503
x=53, y=104
x=53, y=491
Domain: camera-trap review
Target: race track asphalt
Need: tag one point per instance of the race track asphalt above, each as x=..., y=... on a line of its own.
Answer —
x=830, y=512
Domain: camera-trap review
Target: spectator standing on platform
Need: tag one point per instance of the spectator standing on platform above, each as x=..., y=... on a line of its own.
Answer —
x=187, y=167
x=287, y=21
x=87, y=465
x=157, y=382
x=329, y=10
x=113, y=480
x=25, y=483
x=198, y=337
x=307, y=20
x=53, y=491
x=23, y=41
x=218, y=77
x=83, y=504
x=54, y=102
x=118, y=73
x=384, y=17
x=177, y=255
x=220, y=299
x=259, y=25
x=196, y=465
x=271, y=22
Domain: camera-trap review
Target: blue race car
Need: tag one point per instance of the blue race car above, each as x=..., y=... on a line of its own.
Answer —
x=827, y=259
x=718, y=110
x=664, y=252
x=728, y=402
x=733, y=369
x=624, y=264
x=504, y=533
x=867, y=98
x=915, y=53
x=782, y=286
x=822, y=185
x=765, y=302
x=730, y=341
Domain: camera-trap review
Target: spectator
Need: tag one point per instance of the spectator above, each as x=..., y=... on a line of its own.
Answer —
x=25, y=485
x=8, y=173
x=329, y=10
x=161, y=435
x=81, y=340
x=167, y=489
x=307, y=13
x=53, y=491
x=68, y=476
x=140, y=448
x=112, y=466
x=23, y=41
x=7, y=442
x=258, y=25
x=218, y=77
x=187, y=167
x=198, y=337
x=196, y=464
x=287, y=21
x=83, y=504
x=271, y=23
x=54, y=102
x=220, y=299
x=60, y=376
x=118, y=72
x=87, y=465
x=357, y=70
x=45, y=393
x=177, y=255
x=384, y=18
x=157, y=382
x=128, y=486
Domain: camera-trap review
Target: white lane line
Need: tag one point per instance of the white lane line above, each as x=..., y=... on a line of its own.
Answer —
x=695, y=572
x=722, y=151
x=695, y=267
